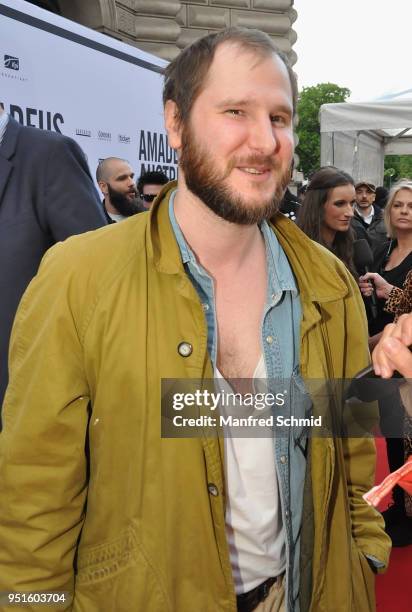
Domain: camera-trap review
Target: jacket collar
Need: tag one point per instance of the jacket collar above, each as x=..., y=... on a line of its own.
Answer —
x=162, y=245
x=316, y=278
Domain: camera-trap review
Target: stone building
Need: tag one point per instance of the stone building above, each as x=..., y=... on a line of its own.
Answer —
x=163, y=27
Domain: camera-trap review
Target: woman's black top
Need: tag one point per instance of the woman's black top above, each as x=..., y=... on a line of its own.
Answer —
x=396, y=277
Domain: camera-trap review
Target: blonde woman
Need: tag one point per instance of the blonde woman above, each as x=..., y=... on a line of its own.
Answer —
x=393, y=260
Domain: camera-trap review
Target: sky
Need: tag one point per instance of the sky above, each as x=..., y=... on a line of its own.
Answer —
x=364, y=45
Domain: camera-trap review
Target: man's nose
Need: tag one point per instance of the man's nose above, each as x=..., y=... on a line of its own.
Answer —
x=263, y=137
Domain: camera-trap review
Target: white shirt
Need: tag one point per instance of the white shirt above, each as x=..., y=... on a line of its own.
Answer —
x=4, y=119
x=368, y=218
x=115, y=217
x=254, y=528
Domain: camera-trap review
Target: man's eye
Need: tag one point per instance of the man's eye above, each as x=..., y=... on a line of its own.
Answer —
x=279, y=120
x=235, y=112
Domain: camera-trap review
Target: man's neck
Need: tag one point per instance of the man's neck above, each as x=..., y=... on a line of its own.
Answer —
x=109, y=207
x=218, y=244
x=365, y=212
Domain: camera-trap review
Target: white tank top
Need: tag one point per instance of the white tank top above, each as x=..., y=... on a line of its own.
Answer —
x=254, y=526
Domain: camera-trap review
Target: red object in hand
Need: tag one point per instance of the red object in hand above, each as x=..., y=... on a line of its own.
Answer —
x=406, y=481
x=402, y=477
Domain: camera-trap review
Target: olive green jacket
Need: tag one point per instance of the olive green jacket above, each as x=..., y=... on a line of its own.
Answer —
x=92, y=500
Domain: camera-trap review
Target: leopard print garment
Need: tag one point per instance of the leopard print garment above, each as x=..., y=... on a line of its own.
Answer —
x=400, y=300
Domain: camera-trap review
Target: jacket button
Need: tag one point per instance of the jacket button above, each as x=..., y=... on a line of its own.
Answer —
x=213, y=490
x=283, y=459
x=185, y=349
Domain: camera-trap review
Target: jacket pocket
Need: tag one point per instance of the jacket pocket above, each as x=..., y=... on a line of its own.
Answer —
x=115, y=576
x=363, y=582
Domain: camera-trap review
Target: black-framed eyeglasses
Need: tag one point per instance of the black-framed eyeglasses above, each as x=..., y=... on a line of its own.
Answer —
x=148, y=197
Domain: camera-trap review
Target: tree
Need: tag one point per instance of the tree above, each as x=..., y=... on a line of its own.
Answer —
x=308, y=130
x=397, y=167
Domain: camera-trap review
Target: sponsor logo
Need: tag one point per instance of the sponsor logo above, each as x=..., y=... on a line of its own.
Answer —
x=104, y=135
x=12, y=63
x=81, y=132
x=124, y=139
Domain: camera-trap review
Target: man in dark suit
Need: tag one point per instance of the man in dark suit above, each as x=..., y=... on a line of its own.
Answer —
x=46, y=195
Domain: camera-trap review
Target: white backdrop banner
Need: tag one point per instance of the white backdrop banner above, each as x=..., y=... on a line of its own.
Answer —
x=58, y=75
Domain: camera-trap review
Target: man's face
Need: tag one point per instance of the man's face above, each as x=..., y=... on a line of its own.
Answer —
x=120, y=188
x=124, y=203
x=237, y=147
x=364, y=196
x=149, y=193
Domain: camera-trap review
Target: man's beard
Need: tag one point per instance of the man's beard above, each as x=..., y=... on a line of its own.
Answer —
x=207, y=183
x=124, y=205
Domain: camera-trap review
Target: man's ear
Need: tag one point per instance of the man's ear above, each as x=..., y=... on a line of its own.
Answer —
x=172, y=125
x=103, y=187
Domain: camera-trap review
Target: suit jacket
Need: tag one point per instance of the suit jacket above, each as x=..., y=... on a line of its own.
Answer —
x=46, y=195
x=375, y=233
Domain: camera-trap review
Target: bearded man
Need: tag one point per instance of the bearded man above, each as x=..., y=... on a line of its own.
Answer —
x=215, y=284
x=115, y=178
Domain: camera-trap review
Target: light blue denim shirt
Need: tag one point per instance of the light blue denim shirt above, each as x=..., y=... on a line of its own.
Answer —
x=280, y=341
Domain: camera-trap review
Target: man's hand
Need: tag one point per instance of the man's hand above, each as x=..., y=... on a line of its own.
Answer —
x=392, y=352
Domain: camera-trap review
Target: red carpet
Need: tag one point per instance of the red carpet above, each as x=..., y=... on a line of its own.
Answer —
x=393, y=589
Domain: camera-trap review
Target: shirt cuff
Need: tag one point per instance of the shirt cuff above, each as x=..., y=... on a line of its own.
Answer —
x=374, y=562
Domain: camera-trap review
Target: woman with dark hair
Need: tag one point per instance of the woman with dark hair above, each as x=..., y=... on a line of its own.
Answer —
x=327, y=211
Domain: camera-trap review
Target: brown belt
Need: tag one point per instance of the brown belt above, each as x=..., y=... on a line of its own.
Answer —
x=247, y=602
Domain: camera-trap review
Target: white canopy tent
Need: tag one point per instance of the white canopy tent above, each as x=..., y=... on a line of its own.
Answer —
x=356, y=136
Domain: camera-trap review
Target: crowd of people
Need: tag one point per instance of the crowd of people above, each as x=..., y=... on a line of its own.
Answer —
x=122, y=196
x=214, y=284
x=336, y=212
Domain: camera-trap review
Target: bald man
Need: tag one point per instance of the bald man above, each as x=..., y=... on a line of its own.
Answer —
x=115, y=178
